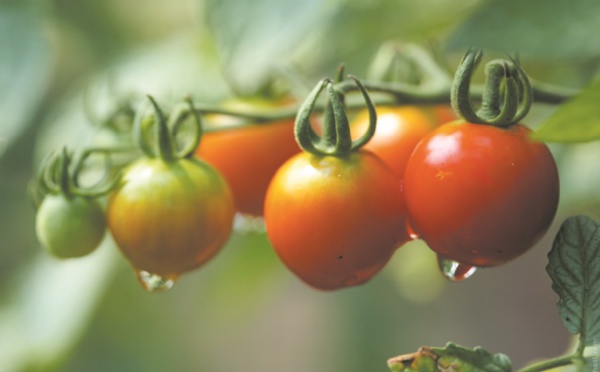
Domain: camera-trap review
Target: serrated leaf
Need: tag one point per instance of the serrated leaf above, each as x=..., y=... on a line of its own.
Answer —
x=558, y=29
x=451, y=358
x=574, y=267
x=577, y=120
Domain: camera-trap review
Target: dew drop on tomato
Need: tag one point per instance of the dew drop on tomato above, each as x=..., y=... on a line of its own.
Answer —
x=412, y=234
x=154, y=283
x=455, y=271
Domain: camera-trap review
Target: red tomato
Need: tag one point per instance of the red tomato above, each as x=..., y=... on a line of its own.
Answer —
x=335, y=221
x=248, y=157
x=398, y=131
x=443, y=114
x=479, y=194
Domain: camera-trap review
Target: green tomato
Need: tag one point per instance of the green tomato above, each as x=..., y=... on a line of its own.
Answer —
x=169, y=218
x=70, y=226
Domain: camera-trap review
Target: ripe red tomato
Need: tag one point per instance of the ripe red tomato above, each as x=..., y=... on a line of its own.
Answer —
x=248, y=157
x=479, y=194
x=169, y=217
x=399, y=129
x=443, y=114
x=335, y=221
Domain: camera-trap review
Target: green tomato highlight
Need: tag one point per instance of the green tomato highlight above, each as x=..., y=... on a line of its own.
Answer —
x=69, y=227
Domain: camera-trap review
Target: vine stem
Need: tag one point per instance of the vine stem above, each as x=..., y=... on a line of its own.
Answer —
x=396, y=94
x=545, y=365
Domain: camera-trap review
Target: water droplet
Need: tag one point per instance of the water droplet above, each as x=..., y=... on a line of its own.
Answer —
x=411, y=231
x=247, y=224
x=455, y=271
x=154, y=283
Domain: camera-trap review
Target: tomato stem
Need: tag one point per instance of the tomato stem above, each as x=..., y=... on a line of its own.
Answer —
x=164, y=139
x=551, y=363
x=197, y=129
x=336, y=139
x=502, y=76
x=64, y=181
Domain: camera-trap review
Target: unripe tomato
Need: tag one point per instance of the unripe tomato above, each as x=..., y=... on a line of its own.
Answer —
x=481, y=195
x=169, y=217
x=335, y=221
x=248, y=157
x=399, y=129
x=70, y=226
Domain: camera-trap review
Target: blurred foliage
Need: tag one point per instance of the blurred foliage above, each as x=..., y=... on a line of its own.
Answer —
x=562, y=29
x=575, y=121
x=244, y=311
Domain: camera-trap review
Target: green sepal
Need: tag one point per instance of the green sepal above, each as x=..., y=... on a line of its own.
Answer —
x=453, y=358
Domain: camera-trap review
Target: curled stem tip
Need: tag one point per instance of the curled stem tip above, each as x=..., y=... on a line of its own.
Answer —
x=507, y=93
x=336, y=139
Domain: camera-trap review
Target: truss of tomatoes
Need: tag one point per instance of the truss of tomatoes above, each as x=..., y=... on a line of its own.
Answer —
x=477, y=194
x=480, y=195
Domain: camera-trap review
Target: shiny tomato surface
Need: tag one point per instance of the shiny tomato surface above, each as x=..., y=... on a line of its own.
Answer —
x=335, y=221
x=479, y=194
x=248, y=157
x=168, y=218
x=398, y=131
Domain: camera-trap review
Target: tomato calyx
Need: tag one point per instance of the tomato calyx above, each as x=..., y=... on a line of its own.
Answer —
x=336, y=139
x=60, y=172
x=507, y=95
x=163, y=144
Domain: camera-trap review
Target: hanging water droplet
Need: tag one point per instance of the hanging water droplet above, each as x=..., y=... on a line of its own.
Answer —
x=154, y=283
x=246, y=224
x=455, y=271
x=411, y=231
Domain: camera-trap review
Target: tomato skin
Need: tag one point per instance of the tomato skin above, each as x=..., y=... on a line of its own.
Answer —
x=479, y=194
x=443, y=114
x=335, y=221
x=70, y=227
x=398, y=131
x=249, y=157
x=168, y=218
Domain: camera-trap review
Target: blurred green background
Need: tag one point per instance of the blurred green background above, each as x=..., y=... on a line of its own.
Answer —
x=243, y=311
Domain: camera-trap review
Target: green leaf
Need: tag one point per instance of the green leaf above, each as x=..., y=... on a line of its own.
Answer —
x=450, y=358
x=577, y=120
x=574, y=267
x=536, y=28
x=25, y=70
x=254, y=37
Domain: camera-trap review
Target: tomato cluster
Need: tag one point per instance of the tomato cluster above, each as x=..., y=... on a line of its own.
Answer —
x=337, y=199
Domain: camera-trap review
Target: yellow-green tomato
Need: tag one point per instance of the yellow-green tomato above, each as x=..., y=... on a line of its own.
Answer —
x=70, y=226
x=170, y=217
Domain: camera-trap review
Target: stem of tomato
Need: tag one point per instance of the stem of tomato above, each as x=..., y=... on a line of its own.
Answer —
x=197, y=127
x=551, y=363
x=338, y=140
x=303, y=131
x=500, y=74
x=360, y=142
x=64, y=179
x=342, y=143
x=164, y=139
x=460, y=96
